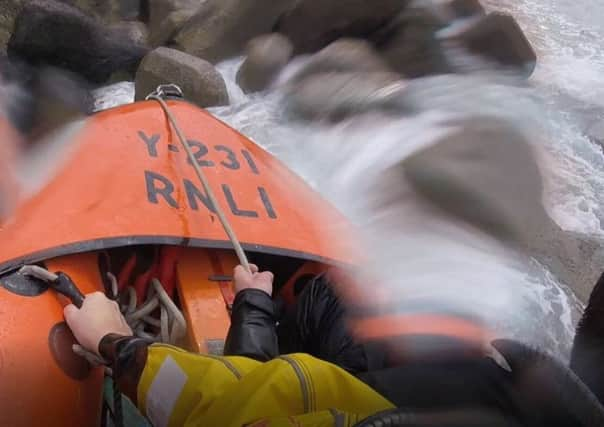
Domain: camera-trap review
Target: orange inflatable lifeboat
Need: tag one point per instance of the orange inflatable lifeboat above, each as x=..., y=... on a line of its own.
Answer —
x=125, y=207
x=125, y=214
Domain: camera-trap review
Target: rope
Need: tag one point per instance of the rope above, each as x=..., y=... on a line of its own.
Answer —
x=204, y=181
x=172, y=324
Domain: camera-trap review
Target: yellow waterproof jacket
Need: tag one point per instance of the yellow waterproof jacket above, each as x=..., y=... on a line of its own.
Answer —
x=178, y=388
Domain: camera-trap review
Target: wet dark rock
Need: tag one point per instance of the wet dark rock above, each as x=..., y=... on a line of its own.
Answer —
x=576, y=259
x=166, y=17
x=312, y=25
x=497, y=36
x=485, y=174
x=266, y=56
x=222, y=28
x=49, y=32
x=409, y=43
x=337, y=95
x=200, y=82
x=344, y=55
x=109, y=11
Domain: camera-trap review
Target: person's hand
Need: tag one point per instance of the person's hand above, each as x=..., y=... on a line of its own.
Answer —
x=98, y=317
x=254, y=280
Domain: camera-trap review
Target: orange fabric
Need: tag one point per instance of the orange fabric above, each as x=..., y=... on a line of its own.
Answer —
x=418, y=324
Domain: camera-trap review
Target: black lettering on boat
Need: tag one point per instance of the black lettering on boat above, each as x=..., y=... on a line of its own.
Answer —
x=199, y=152
x=159, y=185
x=150, y=142
x=194, y=194
x=250, y=161
x=233, y=205
x=266, y=201
x=232, y=163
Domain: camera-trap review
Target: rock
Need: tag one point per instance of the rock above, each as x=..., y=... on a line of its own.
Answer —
x=134, y=31
x=465, y=8
x=49, y=32
x=109, y=11
x=336, y=95
x=312, y=25
x=498, y=36
x=468, y=173
x=343, y=55
x=166, y=17
x=266, y=56
x=485, y=173
x=576, y=259
x=168, y=27
x=9, y=9
x=409, y=44
x=221, y=28
x=198, y=79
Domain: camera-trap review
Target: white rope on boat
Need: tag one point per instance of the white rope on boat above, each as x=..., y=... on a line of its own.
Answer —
x=202, y=178
x=170, y=328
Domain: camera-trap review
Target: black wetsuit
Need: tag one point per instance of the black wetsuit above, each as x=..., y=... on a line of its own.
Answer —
x=538, y=391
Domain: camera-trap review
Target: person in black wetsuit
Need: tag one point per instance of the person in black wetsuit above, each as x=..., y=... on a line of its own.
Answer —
x=534, y=389
x=531, y=389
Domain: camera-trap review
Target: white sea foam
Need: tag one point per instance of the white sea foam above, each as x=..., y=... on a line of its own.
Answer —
x=342, y=161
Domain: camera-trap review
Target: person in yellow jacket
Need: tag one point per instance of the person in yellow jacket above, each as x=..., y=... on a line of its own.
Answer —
x=270, y=379
x=173, y=387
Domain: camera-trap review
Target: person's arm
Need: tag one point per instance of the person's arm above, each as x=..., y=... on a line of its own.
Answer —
x=100, y=327
x=253, y=325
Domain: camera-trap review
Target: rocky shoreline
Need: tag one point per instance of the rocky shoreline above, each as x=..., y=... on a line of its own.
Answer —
x=107, y=41
x=356, y=56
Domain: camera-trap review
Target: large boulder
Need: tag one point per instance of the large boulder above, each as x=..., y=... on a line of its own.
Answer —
x=166, y=17
x=409, y=43
x=200, y=82
x=337, y=95
x=484, y=173
x=312, y=25
x=50, y=32
x=221, y=28
x=343, y=55
x=498, y=37
x=266, y=57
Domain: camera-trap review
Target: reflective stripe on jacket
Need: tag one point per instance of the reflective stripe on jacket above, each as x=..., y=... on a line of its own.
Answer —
x=178, y=388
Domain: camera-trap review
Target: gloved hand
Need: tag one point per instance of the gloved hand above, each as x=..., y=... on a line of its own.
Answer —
x=98, y=317
x=254, y=280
